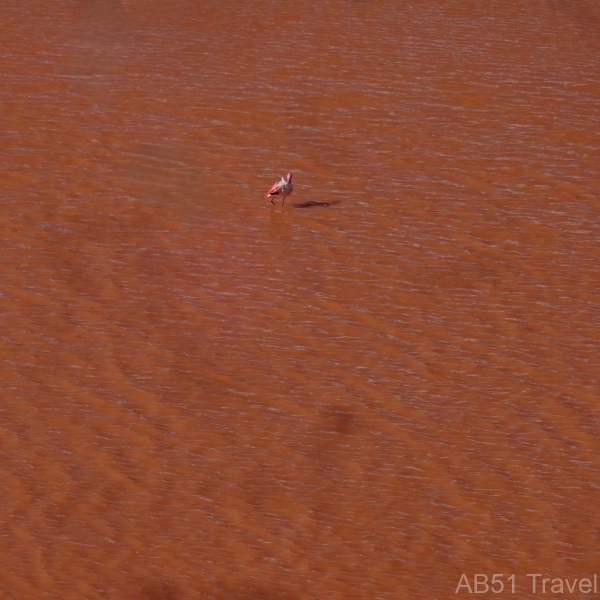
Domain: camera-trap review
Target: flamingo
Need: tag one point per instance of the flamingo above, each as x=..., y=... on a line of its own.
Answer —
x=283, y=187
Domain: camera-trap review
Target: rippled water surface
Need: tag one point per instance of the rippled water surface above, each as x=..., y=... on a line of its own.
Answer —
x=388, y=382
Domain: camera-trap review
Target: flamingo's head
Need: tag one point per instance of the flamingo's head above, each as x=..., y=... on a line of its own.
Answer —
x=289, y=178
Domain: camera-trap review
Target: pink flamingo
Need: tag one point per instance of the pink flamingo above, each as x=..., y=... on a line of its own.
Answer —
x=283, y=187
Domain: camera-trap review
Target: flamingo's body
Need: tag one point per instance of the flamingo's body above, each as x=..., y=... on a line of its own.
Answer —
x=283, y=188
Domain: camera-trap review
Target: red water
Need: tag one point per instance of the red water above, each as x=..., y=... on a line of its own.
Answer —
x=389, y=382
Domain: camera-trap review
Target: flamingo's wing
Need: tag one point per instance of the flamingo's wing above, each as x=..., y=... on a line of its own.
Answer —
x=274, y=190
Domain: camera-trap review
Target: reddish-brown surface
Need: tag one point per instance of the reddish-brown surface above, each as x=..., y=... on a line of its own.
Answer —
x=388, y=383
